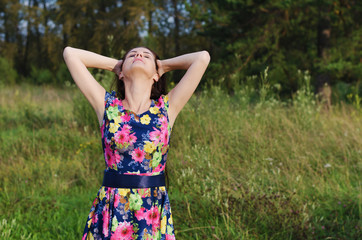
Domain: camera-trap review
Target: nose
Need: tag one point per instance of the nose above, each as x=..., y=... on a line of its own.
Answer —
x=139, y=54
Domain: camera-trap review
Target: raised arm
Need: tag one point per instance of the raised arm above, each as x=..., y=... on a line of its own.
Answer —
x=78, y=61
x=196, y=64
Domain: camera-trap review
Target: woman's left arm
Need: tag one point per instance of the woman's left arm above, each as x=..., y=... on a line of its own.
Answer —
x=195, y=64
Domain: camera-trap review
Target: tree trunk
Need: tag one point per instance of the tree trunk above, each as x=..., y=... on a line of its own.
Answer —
x=38, y=38
x=324, y=33
x=7, y=39
x=27, y=43
x=177, y=27
x=323, y=88
x=45, y=40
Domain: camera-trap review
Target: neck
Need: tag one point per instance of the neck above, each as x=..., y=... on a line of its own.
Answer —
x=137, y=94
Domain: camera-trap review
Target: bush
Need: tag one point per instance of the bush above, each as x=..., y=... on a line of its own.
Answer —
x=63, y=76
x=41, y=76
x=8, y=74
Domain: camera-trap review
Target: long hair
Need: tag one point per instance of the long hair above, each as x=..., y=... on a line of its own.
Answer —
x=158, y=88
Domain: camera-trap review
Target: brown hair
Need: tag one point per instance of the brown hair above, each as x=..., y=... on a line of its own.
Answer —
x=158, y=88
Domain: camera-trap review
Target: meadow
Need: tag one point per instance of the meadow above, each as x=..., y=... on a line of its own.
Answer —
x=239, y=167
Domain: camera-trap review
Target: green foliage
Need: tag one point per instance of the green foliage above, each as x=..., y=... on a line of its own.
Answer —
x=282, y=35
x=84, y=114
x=63, y=75
x=243, y=37
x=8, y=74
x=347, y=92
x=41, y=76
x=106, y=79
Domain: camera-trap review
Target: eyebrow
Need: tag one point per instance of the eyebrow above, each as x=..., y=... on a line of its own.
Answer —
x=143, y=52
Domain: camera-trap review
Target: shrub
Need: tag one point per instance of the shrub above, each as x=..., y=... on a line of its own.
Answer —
x=62, y=75
x=8, y=74
x=41, y=76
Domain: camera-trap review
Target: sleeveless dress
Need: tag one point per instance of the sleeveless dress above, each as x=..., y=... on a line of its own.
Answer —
x=133, y=144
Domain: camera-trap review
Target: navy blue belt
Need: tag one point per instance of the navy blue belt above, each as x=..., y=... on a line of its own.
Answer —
x=116, y=180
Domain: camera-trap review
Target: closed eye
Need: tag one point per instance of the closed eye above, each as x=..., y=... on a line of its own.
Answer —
x=146, y=55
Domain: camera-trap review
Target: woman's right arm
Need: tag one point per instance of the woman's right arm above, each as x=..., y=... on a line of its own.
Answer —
x=78, y=61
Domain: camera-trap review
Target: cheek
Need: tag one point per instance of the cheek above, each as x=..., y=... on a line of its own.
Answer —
x=126, y=64
x=154, y=66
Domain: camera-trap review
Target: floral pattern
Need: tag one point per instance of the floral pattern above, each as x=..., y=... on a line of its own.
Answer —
x=133, y=144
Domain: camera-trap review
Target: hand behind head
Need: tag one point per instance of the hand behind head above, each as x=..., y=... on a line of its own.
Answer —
x=160, y=69
x=118, y=68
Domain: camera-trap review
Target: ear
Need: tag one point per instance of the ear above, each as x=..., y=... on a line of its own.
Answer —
x=120, y=76
x=155, y=77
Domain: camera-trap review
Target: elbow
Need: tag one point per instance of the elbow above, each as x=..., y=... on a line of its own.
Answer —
x=66, y=52
x=205, y=57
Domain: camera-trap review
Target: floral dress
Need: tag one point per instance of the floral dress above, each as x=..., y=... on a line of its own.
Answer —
x=133, y=144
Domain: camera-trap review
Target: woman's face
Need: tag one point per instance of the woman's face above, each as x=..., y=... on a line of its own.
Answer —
x=139, y=59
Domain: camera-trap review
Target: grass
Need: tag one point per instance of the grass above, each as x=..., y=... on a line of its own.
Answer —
x=238, y=169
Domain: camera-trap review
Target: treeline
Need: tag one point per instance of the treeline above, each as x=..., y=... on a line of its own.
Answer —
x=244, y=37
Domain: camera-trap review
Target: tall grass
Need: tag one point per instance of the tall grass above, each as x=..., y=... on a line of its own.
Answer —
x=239, y=168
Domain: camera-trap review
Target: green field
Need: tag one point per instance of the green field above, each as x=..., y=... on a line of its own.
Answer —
x=239, y=168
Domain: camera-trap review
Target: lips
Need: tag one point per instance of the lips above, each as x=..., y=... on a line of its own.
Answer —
x=137, y=59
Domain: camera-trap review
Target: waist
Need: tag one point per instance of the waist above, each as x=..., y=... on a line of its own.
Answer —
x=116, y=180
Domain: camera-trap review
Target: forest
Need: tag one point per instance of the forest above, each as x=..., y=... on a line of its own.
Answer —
x=244, y=37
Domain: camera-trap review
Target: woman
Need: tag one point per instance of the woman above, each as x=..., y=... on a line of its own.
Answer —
x=132, y=202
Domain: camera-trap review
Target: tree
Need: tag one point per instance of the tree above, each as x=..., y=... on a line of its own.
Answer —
x=9, y=32
x=247, y=36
